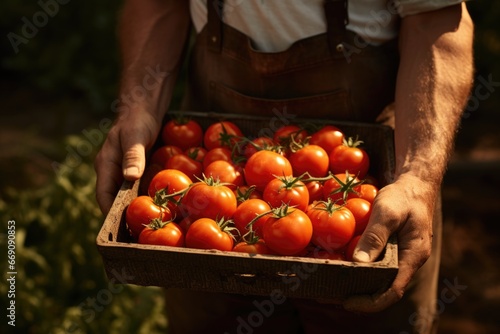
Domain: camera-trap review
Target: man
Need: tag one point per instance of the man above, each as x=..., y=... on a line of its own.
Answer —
x=340, y=61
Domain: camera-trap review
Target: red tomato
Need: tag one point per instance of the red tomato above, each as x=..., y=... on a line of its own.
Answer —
x=342, y=187
x=171, y=180
x=185, y=223
x=288, y=231
x=209, y=199
x=283, y=135
x=315, y=189
x=182, y=133
x=149, y=173
x=246, y=192
x=311, y=159
x=349, y=157
x=258, y=247
x=361, y=210
x=141, y=211
x=349, y=252
x=206, y=233
x=168, y=182
x=257, y=144
x=187, y=165
x=286, y=190
x=222, y=134
x=162, y=233
x=218, y=153
x=368, y=192
x=196, y=153
x=161, y=155
x=226, y=172
x=262, y=167
x=249, y=210
x=307, y=252
x=333, y=225
x=328, y=255
x=328, y=137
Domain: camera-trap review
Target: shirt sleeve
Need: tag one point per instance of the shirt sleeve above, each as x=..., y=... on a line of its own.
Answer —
x=411, y=7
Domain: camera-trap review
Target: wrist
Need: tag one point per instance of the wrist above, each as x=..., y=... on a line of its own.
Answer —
x=429, y=170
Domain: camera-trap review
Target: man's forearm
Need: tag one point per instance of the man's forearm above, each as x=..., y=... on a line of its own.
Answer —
x=434, y=82
x=153, y=34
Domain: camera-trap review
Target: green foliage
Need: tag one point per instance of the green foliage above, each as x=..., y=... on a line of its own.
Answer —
x=61, y=286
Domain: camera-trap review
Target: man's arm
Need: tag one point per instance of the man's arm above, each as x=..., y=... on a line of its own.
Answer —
x=434, y=81
x=153, y=34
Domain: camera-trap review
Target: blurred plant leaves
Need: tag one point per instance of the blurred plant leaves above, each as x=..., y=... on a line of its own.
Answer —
x=60, y=274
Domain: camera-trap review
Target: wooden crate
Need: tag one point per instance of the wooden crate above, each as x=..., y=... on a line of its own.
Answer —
x=231, y=272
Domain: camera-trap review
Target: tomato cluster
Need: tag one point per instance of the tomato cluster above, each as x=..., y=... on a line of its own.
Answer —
x=301, y=192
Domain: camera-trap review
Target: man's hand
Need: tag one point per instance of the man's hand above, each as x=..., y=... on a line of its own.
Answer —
x=153, y=35
x=434, y=80
x=122, y=155
x=406, y=208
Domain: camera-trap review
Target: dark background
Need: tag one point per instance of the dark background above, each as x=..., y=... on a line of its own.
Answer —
x=59, y=87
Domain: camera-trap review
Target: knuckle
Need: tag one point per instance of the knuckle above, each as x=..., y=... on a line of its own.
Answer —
x=425, y=255
x=133, y=156
x=398, y=293
x=387, y=210
x=375, y=239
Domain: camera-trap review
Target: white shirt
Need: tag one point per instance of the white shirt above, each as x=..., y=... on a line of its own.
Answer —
x=273, y=25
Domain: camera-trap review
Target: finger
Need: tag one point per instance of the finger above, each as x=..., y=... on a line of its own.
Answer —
x=412, y=254
x=385, y=219
x=382, y=300
x=108, y=176
x=134, y=157
x=134, y=162
x=107, y=186
x=374, y=239
x=371, y=303
x=372, y=243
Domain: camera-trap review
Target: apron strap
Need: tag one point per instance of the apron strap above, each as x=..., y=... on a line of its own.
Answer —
x=214, y=24
x=336, y=22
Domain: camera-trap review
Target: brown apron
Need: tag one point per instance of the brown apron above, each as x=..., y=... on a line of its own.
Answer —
x=333, y=75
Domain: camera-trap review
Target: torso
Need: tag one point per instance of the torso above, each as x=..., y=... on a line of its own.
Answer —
x=289, y=21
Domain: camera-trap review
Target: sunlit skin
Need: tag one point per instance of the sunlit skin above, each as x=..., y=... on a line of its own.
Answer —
x=434, y=80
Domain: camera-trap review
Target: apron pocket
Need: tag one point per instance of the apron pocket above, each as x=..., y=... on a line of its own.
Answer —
x=331, y=105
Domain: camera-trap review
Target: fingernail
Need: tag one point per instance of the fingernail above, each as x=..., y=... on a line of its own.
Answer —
x=131, y=172
x=361, y=256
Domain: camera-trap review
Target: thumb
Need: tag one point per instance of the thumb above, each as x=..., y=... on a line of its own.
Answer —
x=388, y=212
x=373, y=240
x=134, y=155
